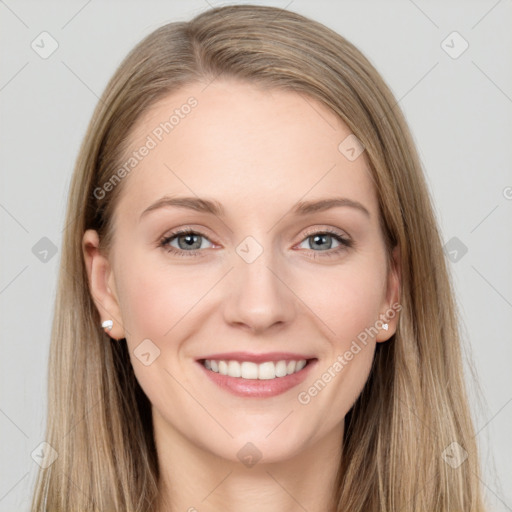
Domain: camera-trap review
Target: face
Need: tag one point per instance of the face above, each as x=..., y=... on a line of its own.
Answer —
x=259, y=278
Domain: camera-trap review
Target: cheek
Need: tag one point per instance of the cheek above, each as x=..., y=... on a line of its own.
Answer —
x=349, y=307
x=160, y=303
x=156, y=297
x=347, y=300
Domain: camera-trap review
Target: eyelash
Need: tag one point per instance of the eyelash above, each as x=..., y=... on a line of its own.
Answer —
x=345, y=243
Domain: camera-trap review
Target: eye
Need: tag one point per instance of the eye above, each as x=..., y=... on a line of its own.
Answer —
x=186, y=242
x=323, y=240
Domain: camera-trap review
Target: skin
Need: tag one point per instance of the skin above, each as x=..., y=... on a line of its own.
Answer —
x=257, y=153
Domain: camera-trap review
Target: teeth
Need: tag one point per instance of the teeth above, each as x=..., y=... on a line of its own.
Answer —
x=300, y=365
x=223, y=367
x=249, y=370
x=280, y=369
x=234, y=369
x=267, y=371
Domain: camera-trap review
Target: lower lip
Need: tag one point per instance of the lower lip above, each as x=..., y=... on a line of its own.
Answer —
x=256, y=388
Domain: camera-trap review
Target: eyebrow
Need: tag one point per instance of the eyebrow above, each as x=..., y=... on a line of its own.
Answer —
x=215, y=208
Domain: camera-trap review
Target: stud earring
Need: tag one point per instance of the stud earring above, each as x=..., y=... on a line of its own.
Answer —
x=385, y=327
x=107, y=324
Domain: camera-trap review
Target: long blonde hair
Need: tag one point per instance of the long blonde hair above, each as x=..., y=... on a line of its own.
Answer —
x=414, y=404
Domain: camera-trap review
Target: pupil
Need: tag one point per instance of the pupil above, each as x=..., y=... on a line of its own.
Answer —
x=190, y=239
x=321, y=239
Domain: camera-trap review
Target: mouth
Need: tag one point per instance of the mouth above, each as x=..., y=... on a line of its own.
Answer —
x=257, y=375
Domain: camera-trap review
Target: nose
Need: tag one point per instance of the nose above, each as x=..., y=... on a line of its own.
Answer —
x=258, y=297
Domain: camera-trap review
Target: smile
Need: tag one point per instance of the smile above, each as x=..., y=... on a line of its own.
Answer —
x=249, y=370
x=256, y=375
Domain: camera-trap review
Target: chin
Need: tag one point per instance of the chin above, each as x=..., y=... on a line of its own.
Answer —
x=263, y=446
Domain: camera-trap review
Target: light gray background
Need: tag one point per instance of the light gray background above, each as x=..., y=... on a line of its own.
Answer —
x=460, y=113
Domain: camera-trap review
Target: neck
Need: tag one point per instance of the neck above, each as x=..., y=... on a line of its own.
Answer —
x=195, y=480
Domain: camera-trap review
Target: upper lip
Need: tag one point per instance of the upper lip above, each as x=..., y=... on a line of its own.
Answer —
x=257, y=358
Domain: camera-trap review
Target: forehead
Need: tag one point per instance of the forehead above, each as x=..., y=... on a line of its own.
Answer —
x=244, y=146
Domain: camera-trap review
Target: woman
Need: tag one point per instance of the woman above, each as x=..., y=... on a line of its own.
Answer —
x=254, y=311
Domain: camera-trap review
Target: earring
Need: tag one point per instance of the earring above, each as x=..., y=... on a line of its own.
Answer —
x=107, y=324
x=385, y=327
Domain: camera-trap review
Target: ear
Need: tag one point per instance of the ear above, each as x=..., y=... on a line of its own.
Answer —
x=102, y=284
x=391, y=307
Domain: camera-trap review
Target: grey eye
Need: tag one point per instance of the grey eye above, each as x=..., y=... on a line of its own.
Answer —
x=322, y=241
